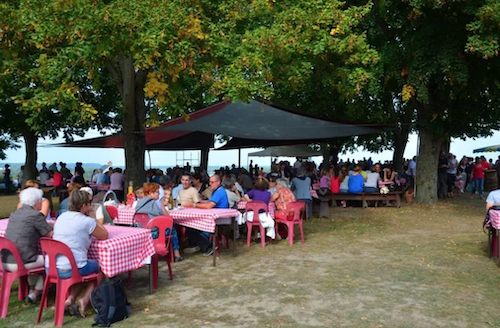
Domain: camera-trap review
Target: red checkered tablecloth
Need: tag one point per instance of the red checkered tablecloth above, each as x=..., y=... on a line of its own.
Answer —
x=125, y=215
x=201, y=219
x=271, y=206
x=125, y=249
x=494, y=219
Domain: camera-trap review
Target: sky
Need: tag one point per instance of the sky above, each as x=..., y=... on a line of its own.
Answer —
x=50, y=154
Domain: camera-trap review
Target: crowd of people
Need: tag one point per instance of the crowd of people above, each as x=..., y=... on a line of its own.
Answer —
x=194, y=188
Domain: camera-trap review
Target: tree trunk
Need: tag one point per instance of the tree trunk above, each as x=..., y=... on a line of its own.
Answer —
x=131, y=84
x=400, y=141
x=31, y=141
x=326, y=156
x=427, y=164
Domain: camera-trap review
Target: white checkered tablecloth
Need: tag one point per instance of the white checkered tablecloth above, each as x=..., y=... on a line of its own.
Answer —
x=201, y=219
x=125, y=249
x=125, y=215
x=271, y=206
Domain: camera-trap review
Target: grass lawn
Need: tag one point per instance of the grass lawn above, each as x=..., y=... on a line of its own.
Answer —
x=418, y=266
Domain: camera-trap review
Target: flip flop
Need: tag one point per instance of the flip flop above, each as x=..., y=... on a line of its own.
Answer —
x=67, y=311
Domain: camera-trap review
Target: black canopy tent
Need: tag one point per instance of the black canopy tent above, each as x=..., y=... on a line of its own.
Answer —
x=253, y=124
x=262, y=123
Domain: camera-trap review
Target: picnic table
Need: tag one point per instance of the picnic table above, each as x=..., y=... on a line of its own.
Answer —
x=196, y=218
x=493, y=239
x=125, y=249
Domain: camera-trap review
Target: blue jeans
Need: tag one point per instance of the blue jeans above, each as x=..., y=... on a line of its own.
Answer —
x=91, y=267
x=479, y=185
x=370, y=190
x=175, y=239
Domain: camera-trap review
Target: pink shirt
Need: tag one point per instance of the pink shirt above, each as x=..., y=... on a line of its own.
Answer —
x=323, y=182
x=116, y=181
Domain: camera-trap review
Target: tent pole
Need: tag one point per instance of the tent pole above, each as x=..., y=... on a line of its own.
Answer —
x=149, y=155
x=239, y=153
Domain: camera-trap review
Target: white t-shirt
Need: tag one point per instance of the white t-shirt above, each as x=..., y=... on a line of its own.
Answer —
x=344, y=185
x=297, y=165
x=494, y=197
x=372, y=179
x=74, y=229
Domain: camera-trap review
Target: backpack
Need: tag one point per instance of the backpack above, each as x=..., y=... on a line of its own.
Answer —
x=110, y=303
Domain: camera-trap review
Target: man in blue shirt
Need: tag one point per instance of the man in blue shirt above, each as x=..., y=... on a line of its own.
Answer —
x=218, y=200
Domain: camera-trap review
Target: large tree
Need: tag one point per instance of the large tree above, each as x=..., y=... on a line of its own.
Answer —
x=35, y=103
x=165, y=57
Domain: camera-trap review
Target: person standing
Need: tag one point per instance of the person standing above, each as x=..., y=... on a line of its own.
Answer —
x=301, y=187
x=411, y=172
x=116, y=183
x=451, y=173
x=478, y=178
x=442, y=174
x=6, y=179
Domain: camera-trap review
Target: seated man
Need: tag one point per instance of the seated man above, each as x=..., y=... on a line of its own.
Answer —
x=218, y=200
x=188, y=195
x=25, y=228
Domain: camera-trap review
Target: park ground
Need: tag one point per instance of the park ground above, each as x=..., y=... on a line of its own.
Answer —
x=417, y=266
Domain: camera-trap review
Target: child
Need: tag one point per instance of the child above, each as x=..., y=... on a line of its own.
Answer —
x=324, y=185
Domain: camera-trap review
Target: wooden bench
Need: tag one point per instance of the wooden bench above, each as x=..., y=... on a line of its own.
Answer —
x=393, y=195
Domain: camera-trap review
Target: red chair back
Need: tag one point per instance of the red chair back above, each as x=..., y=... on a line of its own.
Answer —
x=54, y=248
x=296, y=207
x=112, y=211
x=6, y=244
x=163, y=223
x=255, y=206
x=142, y=219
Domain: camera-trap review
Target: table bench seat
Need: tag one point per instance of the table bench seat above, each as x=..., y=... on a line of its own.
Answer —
x=393, y=195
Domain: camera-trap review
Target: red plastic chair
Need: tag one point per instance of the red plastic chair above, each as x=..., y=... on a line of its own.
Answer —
x=256, y=206
x=53, y=248
x=142, y=219
x=9, y=277
x=298, y=209
x=113, y=212
x=162, y=244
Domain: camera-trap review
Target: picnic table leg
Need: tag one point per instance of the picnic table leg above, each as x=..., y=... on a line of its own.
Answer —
x=398, y=200
x=151, y=276
x=489, y=242
x=235, y=226
x=214, y=243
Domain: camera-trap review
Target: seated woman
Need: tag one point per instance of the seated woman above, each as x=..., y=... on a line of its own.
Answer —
x=389, y=175
x=26, y=225
x=45, y=206
x=272, y=184
x=259, y=191
x=233, y=195
x=324, y=183
x=148, y=204
x=75, y=228
x=344, y=180
x=282, y=197
x=371, y=183
x=356, y=181
x=63, y=207
x=335, y=178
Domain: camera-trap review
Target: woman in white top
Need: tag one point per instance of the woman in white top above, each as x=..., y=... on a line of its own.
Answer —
x=75, y=228
x=371, y=182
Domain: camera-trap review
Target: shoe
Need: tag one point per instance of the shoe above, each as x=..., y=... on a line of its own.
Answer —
x=481, y=196
x=178, y=259
x=191, y=250
x=31, y=298
x=210, y=251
